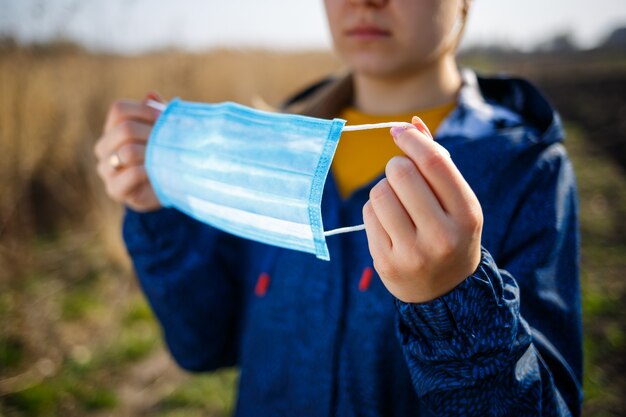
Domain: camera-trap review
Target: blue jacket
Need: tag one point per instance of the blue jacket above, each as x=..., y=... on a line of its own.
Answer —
x=315, y=338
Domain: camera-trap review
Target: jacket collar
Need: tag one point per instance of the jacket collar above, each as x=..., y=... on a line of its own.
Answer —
x=474, y=117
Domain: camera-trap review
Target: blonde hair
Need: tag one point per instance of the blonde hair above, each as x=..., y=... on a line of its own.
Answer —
x=464, y=12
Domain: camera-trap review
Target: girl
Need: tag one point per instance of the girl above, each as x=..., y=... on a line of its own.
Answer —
x=462, y=295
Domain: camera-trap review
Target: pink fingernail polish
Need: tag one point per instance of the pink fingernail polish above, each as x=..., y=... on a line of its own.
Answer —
x=397, y=130
x=421, y=126
x=153, y=95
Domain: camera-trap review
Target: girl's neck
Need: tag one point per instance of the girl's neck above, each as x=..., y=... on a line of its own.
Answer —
x=432, y=86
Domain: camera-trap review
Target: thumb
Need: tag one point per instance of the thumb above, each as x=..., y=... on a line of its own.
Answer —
x=153, y=95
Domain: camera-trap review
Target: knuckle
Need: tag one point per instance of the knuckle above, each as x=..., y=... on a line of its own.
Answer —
x=473, y=218
x=379, y=191
x=377, y=264
x=408, y=250
x=368, y=211
x=433, y=160
x=385, y=268
x=127, y=129
x=100, y=147
x=119, y=106
x=118, y=111
x=398, y=168
x=416, y=265
x=447, y=244
x=477, y=216
x=110, y=190
x=100, y=169
x=97, y=148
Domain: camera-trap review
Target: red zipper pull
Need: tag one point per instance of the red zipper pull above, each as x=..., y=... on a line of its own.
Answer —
x=261, y=285
x=366, y=278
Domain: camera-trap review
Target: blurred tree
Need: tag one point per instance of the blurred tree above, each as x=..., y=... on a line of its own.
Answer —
x=560, y=43
x=616, y=41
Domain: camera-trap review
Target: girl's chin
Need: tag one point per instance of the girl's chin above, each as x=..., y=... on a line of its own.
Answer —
x=377, y=67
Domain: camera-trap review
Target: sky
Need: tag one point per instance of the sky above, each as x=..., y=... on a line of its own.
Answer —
x=134, y=26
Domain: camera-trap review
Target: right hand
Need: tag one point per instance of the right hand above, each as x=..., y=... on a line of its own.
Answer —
x=124, y=139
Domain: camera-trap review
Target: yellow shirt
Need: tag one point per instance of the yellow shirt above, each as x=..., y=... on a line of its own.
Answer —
x=361, y=156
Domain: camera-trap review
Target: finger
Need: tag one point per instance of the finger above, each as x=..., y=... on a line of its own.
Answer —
x=131, y=154
x=143, y=199
x=129, y=110
x=125, y=132
x=391, y=214
x=448, y=185
x=378, y=240
x=414, y=194
x=126, y=181
x=140, y=197
x=105, y=170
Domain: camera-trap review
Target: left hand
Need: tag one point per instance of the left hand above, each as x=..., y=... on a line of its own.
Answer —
x=423, y=221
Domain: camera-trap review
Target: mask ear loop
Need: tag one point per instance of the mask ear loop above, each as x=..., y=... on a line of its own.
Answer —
x=353, y=128
x=156, y=105
x=347, y=229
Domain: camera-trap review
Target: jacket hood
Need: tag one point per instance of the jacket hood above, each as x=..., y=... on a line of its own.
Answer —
x=487, y=106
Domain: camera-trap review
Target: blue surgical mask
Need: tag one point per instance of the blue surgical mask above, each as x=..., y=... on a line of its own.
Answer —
x=255, y=174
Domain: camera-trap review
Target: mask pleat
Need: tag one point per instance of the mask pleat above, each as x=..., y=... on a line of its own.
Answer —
x=244, y=198
x=235, y=173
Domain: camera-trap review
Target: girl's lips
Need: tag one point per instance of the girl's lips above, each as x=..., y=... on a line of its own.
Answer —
x=367, y=33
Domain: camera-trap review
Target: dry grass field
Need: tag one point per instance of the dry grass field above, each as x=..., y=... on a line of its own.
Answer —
x=76, y=336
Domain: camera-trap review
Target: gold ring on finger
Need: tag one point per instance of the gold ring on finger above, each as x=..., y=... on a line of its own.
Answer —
x=115, y=161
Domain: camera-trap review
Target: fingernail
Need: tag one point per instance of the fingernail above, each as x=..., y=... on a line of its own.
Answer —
x=153, y=95
x=421, y=126
x=397, y=130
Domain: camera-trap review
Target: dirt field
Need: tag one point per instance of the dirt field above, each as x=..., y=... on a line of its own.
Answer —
x=76, y=336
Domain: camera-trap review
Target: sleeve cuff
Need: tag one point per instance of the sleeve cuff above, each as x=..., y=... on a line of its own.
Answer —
x=483, y=308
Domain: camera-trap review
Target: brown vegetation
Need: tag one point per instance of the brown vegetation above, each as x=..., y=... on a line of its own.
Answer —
x=76, y=338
